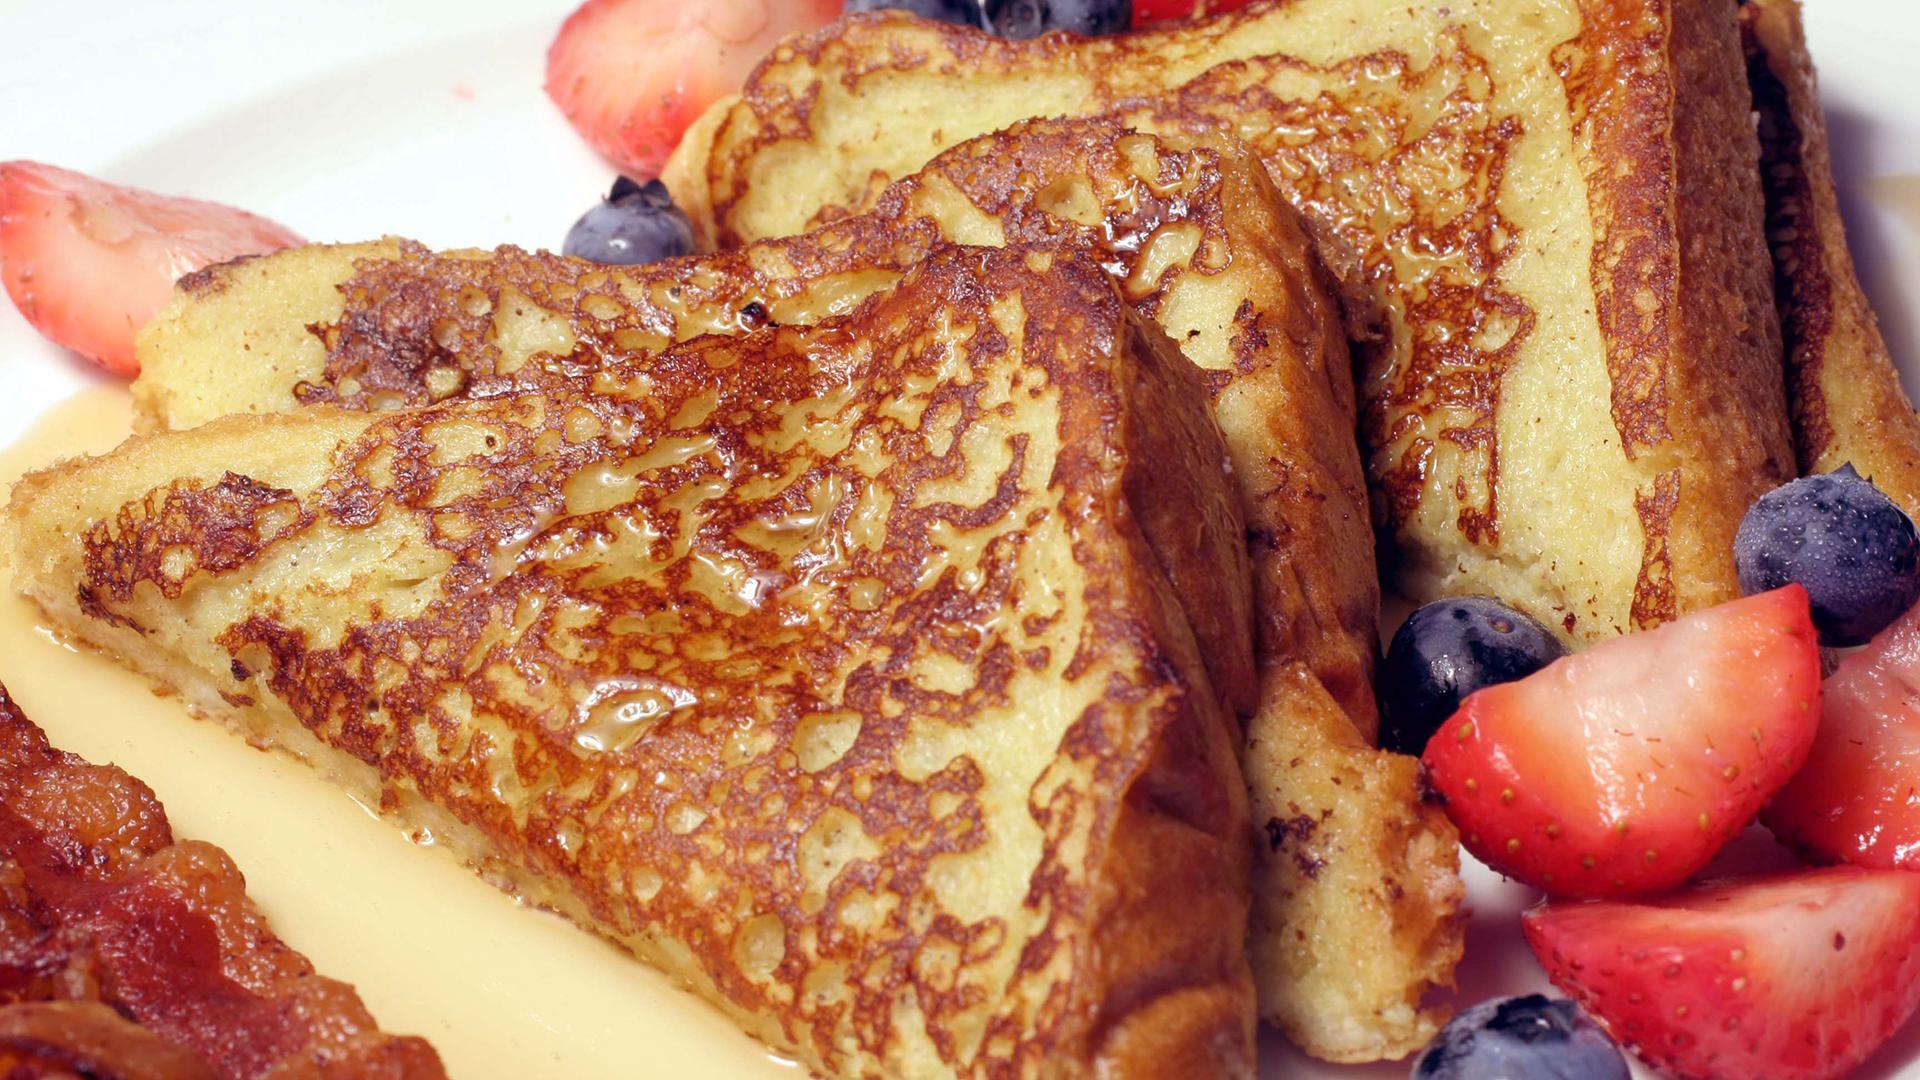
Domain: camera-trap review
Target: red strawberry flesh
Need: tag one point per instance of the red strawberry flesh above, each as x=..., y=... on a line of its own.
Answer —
x=1857, y=798
x=1153, y=11
x=1623, y=769
x=1797, y=976
x=89, y=263
x=632, y=75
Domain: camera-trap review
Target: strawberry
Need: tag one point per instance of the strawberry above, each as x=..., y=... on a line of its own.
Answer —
x=1152, y=11
x=1797, y=976
x=1623, y=769
x=1857, y=798
x=88, y=262
x=631, y=75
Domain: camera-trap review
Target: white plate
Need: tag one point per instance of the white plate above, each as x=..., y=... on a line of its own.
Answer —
x=349, y=118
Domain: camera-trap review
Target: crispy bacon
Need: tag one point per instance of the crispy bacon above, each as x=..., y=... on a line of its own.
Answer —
x=124, y=953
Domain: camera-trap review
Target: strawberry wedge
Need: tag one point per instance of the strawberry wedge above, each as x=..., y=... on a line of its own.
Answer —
x=89, y=263
x=631, y=75
x=1623, y=769
x=1149, y=12
x=1857, y=798
x=1794, y=977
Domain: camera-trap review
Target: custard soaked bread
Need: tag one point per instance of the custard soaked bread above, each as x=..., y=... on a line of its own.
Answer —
x=1195, y=236
x=837, y=670
x=1548, y=215
x=1357, y=891
x=1847, y=402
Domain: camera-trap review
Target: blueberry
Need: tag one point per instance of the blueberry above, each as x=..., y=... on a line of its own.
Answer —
x=1855, y=551
x=1521, y=1038
x=1031, y=18
x=1447, y=650
x=636, y=223
x=1016, y=18
x=963, y=12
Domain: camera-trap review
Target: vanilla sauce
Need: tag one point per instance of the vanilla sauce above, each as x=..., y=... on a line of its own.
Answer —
x=499, y=989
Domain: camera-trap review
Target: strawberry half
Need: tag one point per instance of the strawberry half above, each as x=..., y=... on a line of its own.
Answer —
x=89, y=263
x=631, y=75
x=1623, y=769
x=1794, y=977
x=1857, y=798
x=1153, y=11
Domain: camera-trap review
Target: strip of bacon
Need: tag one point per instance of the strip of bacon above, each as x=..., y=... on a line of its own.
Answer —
x=124, y=953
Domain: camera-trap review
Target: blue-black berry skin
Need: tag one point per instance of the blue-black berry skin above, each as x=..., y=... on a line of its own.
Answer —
x=1031, y=18
x=962, y=12
x=1016, y=18
x=1856, y=553
x=1521, y=1038
x=636, y=223
x=1447, y=650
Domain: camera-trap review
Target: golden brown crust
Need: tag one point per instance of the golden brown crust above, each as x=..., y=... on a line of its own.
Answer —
x=1848, y=405
x=1180, y=1003
x=1201, y=242
x=126, y=954
x=832, y=668
x=1197, y=236
x=1730, y=402
x=1692, y=344
x=1531, y=380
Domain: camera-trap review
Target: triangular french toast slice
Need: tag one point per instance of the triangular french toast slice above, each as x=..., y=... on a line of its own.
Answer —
x=1357, y=914
x=1356, y=919
x=1549, y=215
x=835, y=670
x=1196, y=238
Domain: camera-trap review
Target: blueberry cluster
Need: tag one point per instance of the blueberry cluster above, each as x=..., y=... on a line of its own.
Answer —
x=1015, y=18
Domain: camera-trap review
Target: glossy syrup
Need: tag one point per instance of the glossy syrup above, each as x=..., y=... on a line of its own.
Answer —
x=500, y=990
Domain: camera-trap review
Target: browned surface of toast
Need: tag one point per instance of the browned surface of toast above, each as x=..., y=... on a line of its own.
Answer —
x=838, y=670
x=1847, y=401
x=1357, y=903
x=1571, y=389
x=1191, y=230
x=125, y=955
x=1199, y=241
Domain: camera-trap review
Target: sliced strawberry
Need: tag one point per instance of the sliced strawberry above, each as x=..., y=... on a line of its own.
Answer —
x=1151, y=11
x=1857, y=798
x=1798, y=976
x=631, y=75
x=88, y=262
x=1622, y=769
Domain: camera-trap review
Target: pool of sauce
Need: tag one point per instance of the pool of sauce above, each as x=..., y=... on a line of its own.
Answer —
x=501, y=990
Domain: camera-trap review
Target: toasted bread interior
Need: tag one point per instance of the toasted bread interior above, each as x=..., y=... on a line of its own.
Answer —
x=837, y=670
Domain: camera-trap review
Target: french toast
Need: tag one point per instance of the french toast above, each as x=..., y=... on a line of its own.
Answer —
x=1189, y=227
x=836, y=670
x=1357, y=891
x=127, y=954
x=1845, y=394
x=1547, y=217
